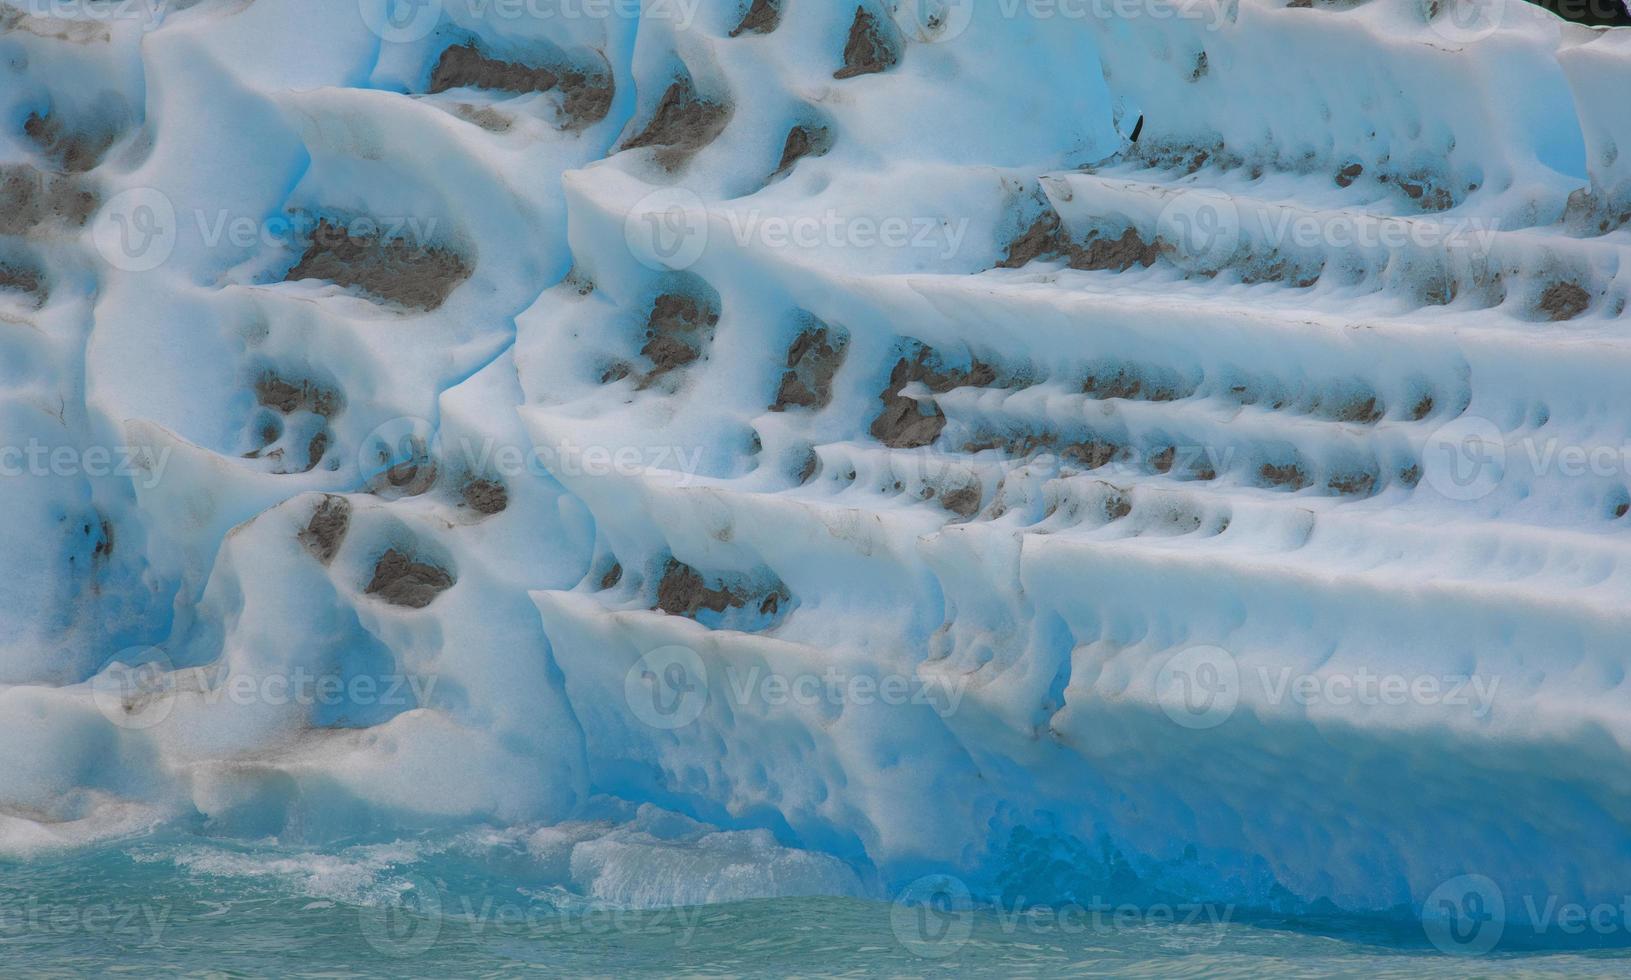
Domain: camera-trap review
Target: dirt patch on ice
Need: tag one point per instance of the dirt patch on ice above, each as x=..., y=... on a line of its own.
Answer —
x=412, y=274
x=1046, y=238
x=1353, y=484
x=103, y=549
x=1135, y=383
x=68, y=150
x=812, y=361
x=316, y=448
x=463, y=66
x=964, y=501
x=1361, y=408
x=586, y=93
x=871, y=47
x=486, y=497
x=678, y=330
x=1113, y=254
x=286, y=396
x=327, y=528
x=486, y=117
x=30, y=198
x=763, y=17
x=803, y=141
x=1288, y=476
x=24, y=280
x=401, y=581
x=1092, y=452
x=683, y=124
x=809, y=465
x=683, y=591
x=1564, y=301
x=906, y=423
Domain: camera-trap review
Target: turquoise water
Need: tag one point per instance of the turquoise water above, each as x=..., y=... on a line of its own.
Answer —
x=213, y=910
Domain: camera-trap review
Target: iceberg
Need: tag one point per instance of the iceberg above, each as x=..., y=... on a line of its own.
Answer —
x=793, y=448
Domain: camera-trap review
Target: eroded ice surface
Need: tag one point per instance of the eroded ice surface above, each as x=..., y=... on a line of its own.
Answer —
x=568, y=377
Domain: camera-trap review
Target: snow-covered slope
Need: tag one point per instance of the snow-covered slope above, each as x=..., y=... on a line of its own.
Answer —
x=821, y=420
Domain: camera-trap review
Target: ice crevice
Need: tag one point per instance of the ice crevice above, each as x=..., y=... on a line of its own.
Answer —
x=791, y=342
